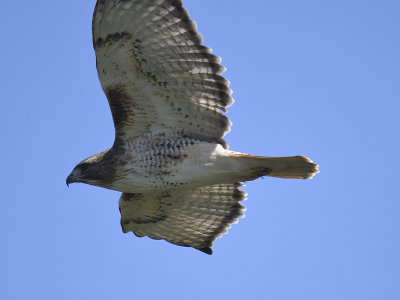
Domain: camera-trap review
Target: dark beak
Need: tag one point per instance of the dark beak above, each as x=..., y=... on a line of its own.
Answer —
x=69, y=180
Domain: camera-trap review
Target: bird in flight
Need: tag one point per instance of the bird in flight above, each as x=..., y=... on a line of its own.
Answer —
x=179, y=181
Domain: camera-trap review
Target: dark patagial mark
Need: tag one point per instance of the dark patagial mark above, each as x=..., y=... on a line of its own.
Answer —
x=146, y=220
x=114, y=37
x=118, y=100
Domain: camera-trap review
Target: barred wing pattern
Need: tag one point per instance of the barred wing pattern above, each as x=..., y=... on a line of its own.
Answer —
x=157, y=76
x=192, y=218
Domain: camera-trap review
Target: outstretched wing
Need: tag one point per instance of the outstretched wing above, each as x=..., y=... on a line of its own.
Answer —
x=192, y=218
x=157, y=76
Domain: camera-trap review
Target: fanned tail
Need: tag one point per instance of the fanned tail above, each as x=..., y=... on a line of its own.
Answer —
x=296, y=167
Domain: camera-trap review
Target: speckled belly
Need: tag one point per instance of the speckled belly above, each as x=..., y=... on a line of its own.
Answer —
x=164, y=163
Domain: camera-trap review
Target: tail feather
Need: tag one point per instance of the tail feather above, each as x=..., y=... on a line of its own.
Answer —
x=297, y=167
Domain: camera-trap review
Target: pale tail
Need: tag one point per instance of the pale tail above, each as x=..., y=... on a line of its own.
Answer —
x=297, y=167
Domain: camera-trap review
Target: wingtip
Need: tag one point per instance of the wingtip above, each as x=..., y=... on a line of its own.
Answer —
x=206, y=250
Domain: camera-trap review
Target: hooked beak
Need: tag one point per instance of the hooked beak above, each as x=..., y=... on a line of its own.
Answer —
x=70, y=179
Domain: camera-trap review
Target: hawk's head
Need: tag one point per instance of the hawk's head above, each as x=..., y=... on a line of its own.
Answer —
x=83, y=172
x=94, y=170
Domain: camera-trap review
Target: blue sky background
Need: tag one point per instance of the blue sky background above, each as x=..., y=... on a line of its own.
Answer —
x=318, y=78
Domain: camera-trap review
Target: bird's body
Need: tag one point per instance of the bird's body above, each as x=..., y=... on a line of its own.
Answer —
x=167, y=97
x=169, y=163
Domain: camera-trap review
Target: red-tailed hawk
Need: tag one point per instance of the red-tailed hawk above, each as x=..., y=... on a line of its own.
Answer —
x=179, y=181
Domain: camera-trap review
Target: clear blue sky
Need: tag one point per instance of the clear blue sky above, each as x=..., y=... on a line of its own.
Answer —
x=318, y=78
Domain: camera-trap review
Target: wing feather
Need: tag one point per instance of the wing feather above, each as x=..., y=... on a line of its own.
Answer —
x=157, y=76
x=193, y=218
